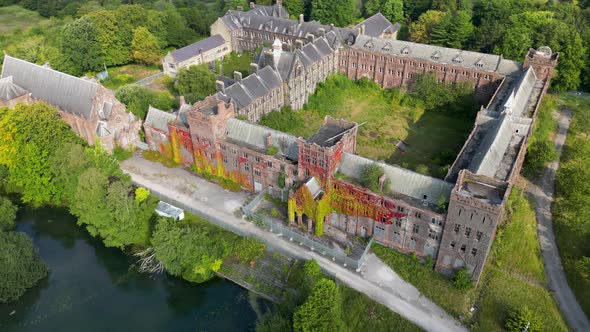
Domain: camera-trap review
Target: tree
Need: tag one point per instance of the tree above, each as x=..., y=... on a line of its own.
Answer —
x=66, y=165
x=144, y=47
x=34, y=133
x=339, y=12
x=321, y=310
x=393, y=10
x=294, y=7
x=421, y=30
x=195, y=82
x=22, y=266
x=523, y=319
x=179, y=34
x=90, y=205
x=191, y=251
x=138, y=98
x=7, y=214
x=80, y=47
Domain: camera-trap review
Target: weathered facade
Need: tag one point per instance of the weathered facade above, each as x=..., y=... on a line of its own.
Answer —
x=452, y=220
x=91, y=110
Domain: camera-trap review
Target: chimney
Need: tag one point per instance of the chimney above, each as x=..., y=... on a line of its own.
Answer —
x=220, y=86
x=268, y=141
x=280, y=8
x=300, y=18
x=253, y=68
x=252, y=5
x=321, y=32
x=268, y=58
x=298, y=44
x=309, y=37
x=181, y=100
x=362, y=32
x=237, y=76
x=240, y=8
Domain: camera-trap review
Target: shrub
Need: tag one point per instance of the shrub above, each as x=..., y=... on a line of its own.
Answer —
x=370, y=176
x=248, y=250
x=272, y=150
x=121, y=154
x=462, y=279
x=523, y=319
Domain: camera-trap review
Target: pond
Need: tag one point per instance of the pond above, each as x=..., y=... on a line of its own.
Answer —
x=93, y=288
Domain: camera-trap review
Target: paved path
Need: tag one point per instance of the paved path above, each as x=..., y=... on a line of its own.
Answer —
x=542, y=192
x=377, y=280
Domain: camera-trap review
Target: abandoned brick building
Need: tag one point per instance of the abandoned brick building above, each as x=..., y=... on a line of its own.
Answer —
x=91, y=110
x=321, y=174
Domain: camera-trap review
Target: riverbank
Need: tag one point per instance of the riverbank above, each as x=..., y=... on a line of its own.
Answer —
x=93, y=288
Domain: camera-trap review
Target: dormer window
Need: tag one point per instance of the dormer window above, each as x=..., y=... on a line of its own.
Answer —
x=458, y=59
x=369, y=45
x=435, y=56
x=387, y=47
x=479, y=63
x=406, y=51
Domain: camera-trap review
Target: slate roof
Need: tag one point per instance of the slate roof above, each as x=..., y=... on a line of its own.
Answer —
x=255, y=137
x=403, y=181
x=377, y=25
x=236, y=20
x=252, y=87
x=328, y=130
x=437, y=54
x=71, y=94
x=521, y=93
x=195, y=49
x=314, y=187
x=158, y=119
x=9, y=90
x=269, y=10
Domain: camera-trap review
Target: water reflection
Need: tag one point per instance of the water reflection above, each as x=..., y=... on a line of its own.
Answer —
x=92, y=288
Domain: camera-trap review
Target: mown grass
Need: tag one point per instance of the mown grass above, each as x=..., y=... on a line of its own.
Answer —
x=432, y=138
x=16, y=17
x=360, y=313
x=128, y=74
x=514, y=275
x=235, y=62
x=571, y=217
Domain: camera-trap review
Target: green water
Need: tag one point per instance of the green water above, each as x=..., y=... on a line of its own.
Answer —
x=93, y=288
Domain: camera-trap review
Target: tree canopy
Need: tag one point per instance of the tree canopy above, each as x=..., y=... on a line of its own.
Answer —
x=338, y=12
x=145, y=47
x=195, y=83
x=321, y=311
x=22, y=266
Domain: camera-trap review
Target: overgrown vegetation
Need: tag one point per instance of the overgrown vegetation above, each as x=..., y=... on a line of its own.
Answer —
x=195, y=83
x=128, y=74
x=235, y=62
x=138, y=98
x=371, y=176
x=313, y=302
x=398, y=127
x=160, y=158
x=570, y=213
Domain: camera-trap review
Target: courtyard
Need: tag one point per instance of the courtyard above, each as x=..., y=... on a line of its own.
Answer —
x=395, y=128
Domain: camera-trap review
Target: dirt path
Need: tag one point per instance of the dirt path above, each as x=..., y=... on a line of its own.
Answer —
x=542, y=191
x=377, y=281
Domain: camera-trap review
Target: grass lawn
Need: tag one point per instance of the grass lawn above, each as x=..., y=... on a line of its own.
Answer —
x=360, y=313
x=16, y=17
x=433, y=138
x=570, y=209
x=235, y=62
x=128, y=74
x=514, y=275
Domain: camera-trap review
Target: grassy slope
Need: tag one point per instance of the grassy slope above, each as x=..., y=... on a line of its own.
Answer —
x=514, y=275
x=16, y=17
x=573, y=239
x=428, y=134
